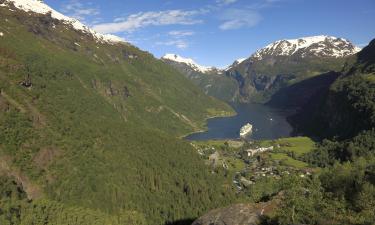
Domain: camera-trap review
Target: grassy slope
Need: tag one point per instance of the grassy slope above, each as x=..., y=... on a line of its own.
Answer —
x=297, y=145
x=288, y=161
x=109, y=152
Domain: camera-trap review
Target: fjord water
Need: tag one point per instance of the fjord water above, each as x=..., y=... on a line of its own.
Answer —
x=268, y=123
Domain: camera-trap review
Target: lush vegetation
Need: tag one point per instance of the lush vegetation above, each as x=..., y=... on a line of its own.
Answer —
x=17, y=209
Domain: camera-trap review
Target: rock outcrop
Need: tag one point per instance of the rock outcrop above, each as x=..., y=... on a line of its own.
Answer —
x=239, y=214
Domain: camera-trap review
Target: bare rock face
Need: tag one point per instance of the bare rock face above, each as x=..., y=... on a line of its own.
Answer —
x=239, y=214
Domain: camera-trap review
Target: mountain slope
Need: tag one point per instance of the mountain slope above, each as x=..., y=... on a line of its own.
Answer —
x=286, y=62
x=301, y=93
x=348, y=107
x=93, y=124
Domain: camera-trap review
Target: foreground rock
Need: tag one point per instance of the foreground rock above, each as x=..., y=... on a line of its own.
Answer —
x=239, y=214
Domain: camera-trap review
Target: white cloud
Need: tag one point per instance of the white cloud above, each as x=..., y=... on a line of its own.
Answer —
x=152, y=18
x=239, y=18
x=181, y=44
x=78, y=10
x=180, y=33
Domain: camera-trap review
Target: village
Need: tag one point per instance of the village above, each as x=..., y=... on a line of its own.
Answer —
x=251, y=162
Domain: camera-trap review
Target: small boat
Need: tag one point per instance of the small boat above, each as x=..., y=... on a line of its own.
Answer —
x=246, y=130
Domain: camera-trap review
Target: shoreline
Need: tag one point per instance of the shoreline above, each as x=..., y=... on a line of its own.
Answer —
x=206, y=123
x=282, y=127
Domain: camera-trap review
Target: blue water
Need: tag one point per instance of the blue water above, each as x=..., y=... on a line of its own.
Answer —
x=268, y=123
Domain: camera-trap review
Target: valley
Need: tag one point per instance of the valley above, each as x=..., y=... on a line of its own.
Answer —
x=96, y=131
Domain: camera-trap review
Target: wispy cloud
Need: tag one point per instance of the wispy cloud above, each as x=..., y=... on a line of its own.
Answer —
x=181, y=33
x=239, y=18
x=225, y=2
x=79, y=10
x=258, y=5
x=152, y=18
x=181, y=44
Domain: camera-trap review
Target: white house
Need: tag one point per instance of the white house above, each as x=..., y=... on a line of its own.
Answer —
x=252, y=152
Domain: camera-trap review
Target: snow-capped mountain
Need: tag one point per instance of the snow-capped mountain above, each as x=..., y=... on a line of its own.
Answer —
x=321, y=46
x=37, y=6
x=286, y=61
x=189, y=62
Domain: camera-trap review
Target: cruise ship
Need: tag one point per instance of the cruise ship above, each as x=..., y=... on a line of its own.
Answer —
x=246, y=130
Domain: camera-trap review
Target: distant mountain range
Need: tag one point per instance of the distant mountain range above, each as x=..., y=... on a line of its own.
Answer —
x=275, y=66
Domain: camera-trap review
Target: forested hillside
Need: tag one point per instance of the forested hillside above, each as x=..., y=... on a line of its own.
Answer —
x=90, y=128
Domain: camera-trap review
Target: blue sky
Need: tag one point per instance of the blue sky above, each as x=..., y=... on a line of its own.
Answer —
x=216, y=32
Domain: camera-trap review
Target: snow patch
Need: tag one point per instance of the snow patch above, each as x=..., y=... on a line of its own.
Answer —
x=239, y=61
x=189, y=62
x=37, y=6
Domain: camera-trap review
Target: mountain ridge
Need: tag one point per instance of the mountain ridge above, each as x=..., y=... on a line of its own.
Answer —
x=316, y=45
x=38, y=6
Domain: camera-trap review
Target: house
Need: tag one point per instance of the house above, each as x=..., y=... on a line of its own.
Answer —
x=252, y=152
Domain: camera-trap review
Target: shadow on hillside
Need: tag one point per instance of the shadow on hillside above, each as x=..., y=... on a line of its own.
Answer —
x=181, y=222
x=301, y=93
